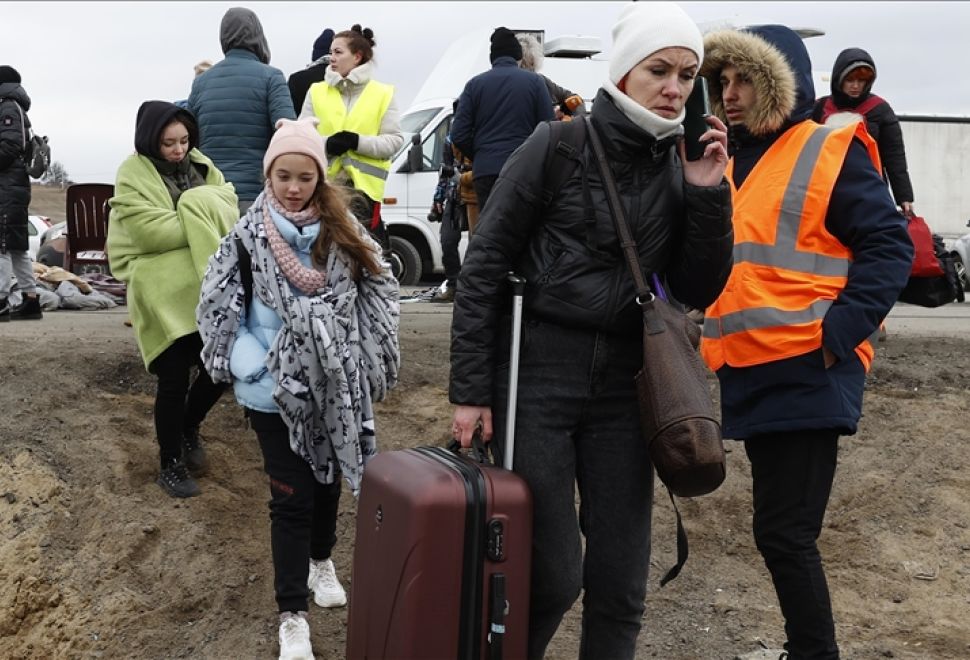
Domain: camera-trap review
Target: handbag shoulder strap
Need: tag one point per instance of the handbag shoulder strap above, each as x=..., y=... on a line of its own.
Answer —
x=645, y=296
x=627, y=242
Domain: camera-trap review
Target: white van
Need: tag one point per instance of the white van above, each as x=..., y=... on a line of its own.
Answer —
x=415, y=246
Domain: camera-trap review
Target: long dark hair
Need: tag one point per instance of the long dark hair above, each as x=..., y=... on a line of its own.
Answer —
x=338, y=226
x=359, y=40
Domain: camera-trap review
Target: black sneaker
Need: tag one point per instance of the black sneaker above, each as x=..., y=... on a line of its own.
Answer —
x=176, y=481
x=28, y=310
x=193, y=453
x=4, y=310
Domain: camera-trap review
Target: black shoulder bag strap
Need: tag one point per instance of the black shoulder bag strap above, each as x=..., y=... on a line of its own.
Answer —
x=245, y=272
x=652, y=323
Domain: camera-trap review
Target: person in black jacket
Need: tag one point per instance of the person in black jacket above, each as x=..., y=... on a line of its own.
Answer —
x=300, y=81
x=566, y=103
x=853, y=75
x=577, y=420
x=15, y=199
x=497, y=111
x=821, y=256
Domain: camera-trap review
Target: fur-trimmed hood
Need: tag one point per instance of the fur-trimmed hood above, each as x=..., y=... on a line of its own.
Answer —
x=776, y=61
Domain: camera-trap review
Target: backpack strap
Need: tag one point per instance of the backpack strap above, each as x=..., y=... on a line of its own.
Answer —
x=828, y=108
x=870, y=103
x=567, y=140
x=245, y=272
x=565, y=152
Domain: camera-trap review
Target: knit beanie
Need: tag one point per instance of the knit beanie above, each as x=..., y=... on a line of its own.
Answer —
x=504, y=43
x=321, y=46
x=8, y=74
x=855, y=66
x=646, y=27
x=296, y=137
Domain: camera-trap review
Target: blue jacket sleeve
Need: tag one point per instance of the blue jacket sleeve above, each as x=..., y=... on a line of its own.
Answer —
x=862, y=216
x=280, y=100
x=463, y=127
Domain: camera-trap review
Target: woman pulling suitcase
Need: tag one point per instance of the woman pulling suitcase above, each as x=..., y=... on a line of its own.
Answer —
x=577, y=420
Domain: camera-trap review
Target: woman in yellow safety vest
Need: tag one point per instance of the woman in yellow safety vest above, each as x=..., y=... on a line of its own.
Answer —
x=361, y=124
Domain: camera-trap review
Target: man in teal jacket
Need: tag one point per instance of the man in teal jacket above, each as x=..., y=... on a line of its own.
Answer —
x=238, y=102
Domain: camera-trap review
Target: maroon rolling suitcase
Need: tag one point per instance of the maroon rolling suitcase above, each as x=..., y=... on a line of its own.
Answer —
x=442, y=555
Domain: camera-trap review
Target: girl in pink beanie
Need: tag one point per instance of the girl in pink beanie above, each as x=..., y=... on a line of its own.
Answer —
x=299, y=312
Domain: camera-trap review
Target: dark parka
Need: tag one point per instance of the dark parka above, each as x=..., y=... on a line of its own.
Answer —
x=575, y=271
x=497, y=111
x=799, y=393
x=14, y=181
x=881, y=122
x=238, y=102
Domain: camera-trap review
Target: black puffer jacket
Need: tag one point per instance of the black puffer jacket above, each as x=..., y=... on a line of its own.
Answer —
x=575, y=271
x=14, y=181
x=881, y=122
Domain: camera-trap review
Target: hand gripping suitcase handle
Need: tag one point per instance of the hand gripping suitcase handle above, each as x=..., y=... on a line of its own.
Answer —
x=518, y=289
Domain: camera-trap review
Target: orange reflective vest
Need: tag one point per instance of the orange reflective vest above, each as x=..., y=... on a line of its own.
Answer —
x=788, y=269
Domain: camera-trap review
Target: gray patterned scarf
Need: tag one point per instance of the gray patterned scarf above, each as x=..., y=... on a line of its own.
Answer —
x=335, y=356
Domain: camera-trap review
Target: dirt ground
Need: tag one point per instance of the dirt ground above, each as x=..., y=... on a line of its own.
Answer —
x=97, y=562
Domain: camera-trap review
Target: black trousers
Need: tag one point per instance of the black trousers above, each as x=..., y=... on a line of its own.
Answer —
x=302, y=512
x=450, y=238
x=483, y=188
x=179, y=405
x=792, y=477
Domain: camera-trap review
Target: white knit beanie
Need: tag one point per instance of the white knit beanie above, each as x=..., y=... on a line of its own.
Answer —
x=646, y=27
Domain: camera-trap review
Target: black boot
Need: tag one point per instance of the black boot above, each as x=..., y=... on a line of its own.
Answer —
x=175, y=479
x=4, y=310
x=193, y=453
x=28, y=310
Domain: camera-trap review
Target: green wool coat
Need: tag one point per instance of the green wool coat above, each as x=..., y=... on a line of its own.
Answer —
x=161, y=250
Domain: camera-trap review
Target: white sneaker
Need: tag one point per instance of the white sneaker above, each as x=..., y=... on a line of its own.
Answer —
x=322, y=581
x=295, y=639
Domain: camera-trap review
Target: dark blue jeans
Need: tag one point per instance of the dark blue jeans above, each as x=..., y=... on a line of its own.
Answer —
x=577, y=423
x=302, y=511
x=792, y=476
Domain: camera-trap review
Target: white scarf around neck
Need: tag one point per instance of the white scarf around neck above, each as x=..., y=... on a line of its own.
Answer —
x=652, y=123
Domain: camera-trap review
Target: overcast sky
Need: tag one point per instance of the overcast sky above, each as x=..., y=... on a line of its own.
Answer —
x=87, y=66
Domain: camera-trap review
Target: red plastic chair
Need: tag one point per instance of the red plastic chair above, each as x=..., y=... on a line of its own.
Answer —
x=87, y=227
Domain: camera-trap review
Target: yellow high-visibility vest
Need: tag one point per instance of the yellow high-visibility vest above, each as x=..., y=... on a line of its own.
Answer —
x=368, y=174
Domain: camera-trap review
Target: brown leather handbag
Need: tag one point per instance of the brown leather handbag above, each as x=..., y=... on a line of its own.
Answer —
x=676, y=409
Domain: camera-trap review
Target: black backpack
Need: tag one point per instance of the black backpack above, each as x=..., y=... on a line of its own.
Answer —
x=37, y=155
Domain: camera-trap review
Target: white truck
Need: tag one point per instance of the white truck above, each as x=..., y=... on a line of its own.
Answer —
x=937, y=148
x=415, y=245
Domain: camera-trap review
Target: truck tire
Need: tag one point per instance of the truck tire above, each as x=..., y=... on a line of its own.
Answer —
x=961, y=269
x=405, y=261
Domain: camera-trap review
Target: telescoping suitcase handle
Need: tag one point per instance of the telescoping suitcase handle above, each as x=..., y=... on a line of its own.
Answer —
x=479, y=451
x=518, y=289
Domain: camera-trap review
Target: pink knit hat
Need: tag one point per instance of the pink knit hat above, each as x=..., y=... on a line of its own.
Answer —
x=296, y=137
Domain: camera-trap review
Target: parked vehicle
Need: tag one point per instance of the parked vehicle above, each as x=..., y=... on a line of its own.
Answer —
x=415, y=246
x=36, y=226
x=52, y=245
x=961, y=250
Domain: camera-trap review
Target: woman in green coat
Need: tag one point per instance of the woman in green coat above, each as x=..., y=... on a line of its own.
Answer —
x=171, y=208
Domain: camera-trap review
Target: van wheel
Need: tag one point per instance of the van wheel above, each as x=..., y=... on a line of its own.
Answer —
x=405, y=261
x=962, y=276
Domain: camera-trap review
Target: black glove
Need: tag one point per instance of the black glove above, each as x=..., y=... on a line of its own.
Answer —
x=341, y=141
